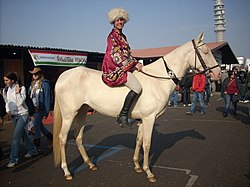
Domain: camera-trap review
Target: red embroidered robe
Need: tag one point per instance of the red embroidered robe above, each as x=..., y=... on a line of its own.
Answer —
x=117, y=60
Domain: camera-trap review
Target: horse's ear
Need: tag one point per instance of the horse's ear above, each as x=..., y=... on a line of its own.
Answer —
x=200, y=38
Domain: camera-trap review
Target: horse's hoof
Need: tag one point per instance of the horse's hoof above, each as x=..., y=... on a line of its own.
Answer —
x=138, y=170
x=68, y=177
x=151, y=179
x=93, y=168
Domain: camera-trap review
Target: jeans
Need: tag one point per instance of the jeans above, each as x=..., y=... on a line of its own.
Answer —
x=186, y=96
x=228, y=99
x=200, y=96
x=20, y=132
x=39, y=126
x=208, y=94
x=174, y=98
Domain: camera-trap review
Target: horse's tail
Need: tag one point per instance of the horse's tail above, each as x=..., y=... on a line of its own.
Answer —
x=56, y=131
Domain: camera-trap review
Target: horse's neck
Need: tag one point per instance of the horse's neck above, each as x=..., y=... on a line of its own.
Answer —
x=176, y=61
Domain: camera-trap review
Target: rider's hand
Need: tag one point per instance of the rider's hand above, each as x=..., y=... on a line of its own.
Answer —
x=139, y=66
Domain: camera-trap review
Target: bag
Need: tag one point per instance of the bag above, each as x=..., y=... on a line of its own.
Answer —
x=31, y=128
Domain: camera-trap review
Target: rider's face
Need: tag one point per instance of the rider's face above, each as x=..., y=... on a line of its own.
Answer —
x=119, y=23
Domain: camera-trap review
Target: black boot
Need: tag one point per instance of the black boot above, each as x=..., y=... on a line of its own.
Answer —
x=122, y=118
x=50, y=138
x=37, y=144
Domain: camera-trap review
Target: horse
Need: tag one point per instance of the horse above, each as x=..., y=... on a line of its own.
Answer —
x=80, y=88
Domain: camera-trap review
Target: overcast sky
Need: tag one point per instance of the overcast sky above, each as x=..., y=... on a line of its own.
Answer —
x=83, y=24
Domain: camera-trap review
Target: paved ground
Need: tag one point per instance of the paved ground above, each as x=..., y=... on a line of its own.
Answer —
x=186, y=150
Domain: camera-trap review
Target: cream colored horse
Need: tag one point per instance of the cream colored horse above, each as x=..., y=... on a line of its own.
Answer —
x=80, y=88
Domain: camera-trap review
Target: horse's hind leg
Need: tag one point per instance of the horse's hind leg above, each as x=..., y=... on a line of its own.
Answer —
x=136, y=157
x=63, y=139
x=80, y=121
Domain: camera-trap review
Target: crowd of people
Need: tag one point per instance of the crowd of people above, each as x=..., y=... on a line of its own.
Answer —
x=14, y=104
x=235, y=87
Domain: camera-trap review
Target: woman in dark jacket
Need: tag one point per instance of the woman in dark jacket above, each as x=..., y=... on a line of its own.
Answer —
x=39, y=92
x=231, y=92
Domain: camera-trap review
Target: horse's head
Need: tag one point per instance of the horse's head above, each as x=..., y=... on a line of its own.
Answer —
x=202, y=58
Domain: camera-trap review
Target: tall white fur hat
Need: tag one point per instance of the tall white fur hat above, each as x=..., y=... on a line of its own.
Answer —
x=117, y=13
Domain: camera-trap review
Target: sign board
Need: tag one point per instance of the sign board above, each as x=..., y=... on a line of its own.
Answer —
x=58, y=58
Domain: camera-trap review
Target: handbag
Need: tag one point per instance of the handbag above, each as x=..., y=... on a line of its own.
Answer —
x=31, y=128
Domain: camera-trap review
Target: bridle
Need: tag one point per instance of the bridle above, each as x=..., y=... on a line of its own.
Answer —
x=197, y=52
x=173, y=76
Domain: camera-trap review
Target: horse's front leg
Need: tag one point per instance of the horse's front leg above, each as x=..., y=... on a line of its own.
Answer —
x=137, y=149
x=147, y=127
x=63, y=140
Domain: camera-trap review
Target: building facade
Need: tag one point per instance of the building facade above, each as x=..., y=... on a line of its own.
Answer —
x=18, y=59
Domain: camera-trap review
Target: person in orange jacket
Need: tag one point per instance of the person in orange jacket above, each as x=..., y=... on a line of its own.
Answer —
x=198, y=86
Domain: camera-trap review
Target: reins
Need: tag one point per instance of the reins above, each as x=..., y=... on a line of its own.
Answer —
x=208, y=69
x=169, y=72
x=154, y=76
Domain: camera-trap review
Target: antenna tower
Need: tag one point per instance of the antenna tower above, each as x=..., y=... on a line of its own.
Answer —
x=219, y=20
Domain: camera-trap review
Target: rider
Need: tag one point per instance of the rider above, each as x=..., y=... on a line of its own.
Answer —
x=118, y=63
